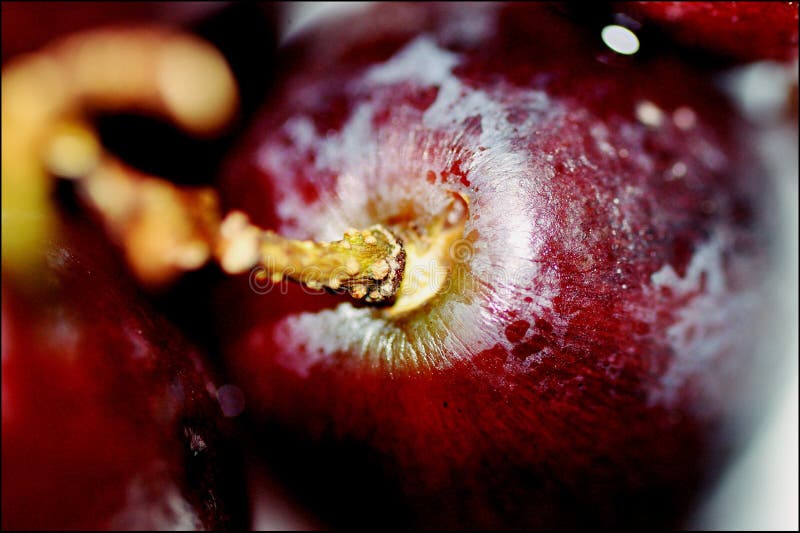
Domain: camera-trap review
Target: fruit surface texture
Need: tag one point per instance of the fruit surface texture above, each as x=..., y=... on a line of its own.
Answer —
x=593, y=225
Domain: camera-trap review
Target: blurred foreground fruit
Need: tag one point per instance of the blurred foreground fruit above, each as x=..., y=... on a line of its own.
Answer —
x=110, y=418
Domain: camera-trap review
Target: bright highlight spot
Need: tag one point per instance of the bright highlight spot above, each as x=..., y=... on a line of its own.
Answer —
x=620, y=39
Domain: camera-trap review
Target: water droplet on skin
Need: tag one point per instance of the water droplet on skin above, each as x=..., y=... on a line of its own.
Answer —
x=678, y=170
x=684, y=118
x=649, y=114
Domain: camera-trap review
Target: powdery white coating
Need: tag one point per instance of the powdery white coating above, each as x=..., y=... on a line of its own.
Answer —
x=706, y=261
x=301, y=131
x=364, y=158
x=422, y=61
x=700, y=335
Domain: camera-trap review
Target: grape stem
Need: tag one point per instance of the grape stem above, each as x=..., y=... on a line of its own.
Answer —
x=164, y=230
x=365, y=264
